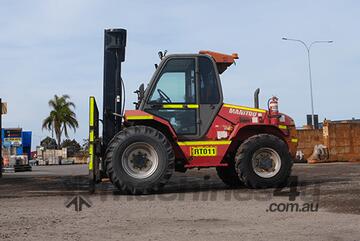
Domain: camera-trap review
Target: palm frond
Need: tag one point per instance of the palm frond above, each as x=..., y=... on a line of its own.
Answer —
x=61, y=117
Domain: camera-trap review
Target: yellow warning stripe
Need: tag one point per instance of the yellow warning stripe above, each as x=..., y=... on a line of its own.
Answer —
x=244, y=108
x=91, y=134
x=140, y=117
x=193, y=106
x=180, y=106
x=201, y=143
x=173, y=106
x=91, y=156
x=91, y=112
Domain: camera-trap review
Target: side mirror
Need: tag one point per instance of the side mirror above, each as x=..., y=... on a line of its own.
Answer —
x=140, y=93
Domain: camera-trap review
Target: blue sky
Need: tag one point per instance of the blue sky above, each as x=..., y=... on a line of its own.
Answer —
x=56, y=47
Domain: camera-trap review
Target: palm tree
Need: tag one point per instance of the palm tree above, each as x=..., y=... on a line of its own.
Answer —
x=61, y=117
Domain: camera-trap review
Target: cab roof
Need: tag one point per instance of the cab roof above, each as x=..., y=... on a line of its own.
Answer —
x=223, y=61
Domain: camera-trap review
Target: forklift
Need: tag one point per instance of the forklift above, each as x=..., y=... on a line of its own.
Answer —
x=180, y=122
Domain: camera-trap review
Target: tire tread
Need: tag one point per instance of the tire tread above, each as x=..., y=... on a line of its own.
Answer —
x=242, y=160
x=119, y=139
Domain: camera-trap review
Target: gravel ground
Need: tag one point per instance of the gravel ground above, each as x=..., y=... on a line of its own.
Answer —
x=194, y=206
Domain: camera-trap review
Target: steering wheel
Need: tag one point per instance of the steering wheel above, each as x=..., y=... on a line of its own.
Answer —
x=164, y=96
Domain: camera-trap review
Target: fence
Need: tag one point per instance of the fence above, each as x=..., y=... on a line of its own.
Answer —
x=342, y=139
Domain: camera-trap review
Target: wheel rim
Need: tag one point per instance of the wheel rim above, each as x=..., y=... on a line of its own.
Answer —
x=266, y=162
x=140, y=160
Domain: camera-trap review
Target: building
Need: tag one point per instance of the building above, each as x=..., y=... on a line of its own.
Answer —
x=15, y=141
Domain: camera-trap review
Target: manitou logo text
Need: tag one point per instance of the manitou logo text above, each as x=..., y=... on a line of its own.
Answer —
x=242, y=112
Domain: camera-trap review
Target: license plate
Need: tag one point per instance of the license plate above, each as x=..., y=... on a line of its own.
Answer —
x=204, y=151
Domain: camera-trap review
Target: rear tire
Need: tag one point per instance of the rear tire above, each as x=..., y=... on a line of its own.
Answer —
x=274, y=155
x=139, y=160
x=228, y=175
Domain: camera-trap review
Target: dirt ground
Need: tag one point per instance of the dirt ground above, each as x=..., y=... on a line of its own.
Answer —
x=193, y=206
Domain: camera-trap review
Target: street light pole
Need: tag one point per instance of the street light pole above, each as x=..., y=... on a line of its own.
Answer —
x=308, y=48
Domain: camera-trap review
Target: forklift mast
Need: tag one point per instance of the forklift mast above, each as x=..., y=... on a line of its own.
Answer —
x=114, y=55
x=113, y=89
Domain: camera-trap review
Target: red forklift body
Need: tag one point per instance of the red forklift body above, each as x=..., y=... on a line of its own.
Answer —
x=182, y=122
x=231, y=126
x=227, y=128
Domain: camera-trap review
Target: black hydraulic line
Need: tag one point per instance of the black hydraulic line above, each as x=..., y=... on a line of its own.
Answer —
x=123, y=95
x=118, y=91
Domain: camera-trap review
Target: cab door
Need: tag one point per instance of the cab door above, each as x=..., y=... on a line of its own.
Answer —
x=209, y=92
x=173, y=96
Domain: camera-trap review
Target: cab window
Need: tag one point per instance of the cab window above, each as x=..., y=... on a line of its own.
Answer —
x=176, y=83
x=209, y=89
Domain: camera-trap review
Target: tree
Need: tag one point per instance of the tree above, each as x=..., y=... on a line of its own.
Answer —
x=85, y=145
x=73, y=147
x=48, y=143
x=61, y=117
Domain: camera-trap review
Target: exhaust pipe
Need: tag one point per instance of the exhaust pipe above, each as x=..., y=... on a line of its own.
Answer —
x=256, y=98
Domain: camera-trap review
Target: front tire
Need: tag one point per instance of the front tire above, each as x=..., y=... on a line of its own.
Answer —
x=263, y=161
x=139, y=160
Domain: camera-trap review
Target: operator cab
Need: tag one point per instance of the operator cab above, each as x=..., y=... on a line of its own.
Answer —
x=186, y=91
